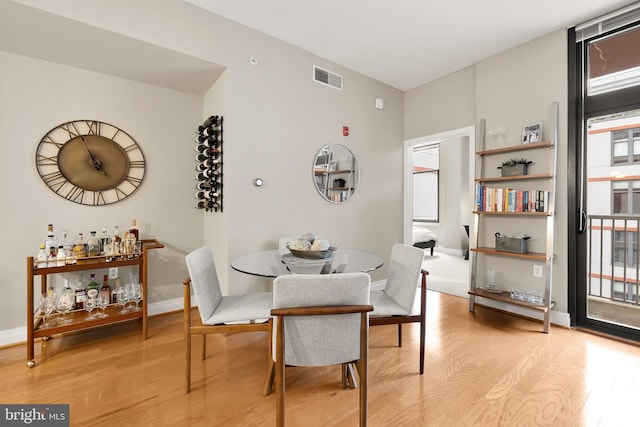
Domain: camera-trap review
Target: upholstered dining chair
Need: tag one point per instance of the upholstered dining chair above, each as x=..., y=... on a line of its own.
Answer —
x=395, y=304
x=220, y=314
x=321, y=320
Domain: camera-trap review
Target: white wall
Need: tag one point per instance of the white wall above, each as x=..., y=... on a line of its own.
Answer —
x=509, y=89
x=38, y=95
x=276, y=119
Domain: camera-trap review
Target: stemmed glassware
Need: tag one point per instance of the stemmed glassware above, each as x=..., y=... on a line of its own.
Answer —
x=63, y=304
x=102, y=303
x=123, y=297
x=90, y=303
x=136, y=295
x=47, y=305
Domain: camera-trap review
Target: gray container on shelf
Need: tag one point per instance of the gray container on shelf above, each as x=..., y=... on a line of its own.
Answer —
x=511, y=244
x=516, y=170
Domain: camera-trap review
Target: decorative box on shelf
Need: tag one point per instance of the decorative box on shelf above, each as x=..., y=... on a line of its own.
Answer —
x=516, y=244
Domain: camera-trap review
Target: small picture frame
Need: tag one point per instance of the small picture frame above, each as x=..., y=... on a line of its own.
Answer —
x=333, y=165
x=531, y=133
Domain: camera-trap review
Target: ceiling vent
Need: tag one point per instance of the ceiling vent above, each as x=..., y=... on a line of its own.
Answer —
x=327, y=77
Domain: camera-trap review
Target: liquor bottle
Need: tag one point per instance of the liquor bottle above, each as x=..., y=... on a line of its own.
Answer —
x=128, y=245
x=115, y=241
x=68, y=294
x=92, y=287
x=105, y=240
x=204, y=175
x=51, y=238
x=67, y=246
x=41, y=259
x=80, y=247
x=134, y=229
x=208, y=204
x=93, y=245
x=61, y=257
x=51, y=259
x=210, y=121
x=114, y=292
x=105, y=290
x=207, y=185
x=81, y=294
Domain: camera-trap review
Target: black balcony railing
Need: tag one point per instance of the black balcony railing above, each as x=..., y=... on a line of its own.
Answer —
x=614, y=258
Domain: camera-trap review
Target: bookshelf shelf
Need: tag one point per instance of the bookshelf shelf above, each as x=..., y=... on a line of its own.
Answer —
x=521, y=204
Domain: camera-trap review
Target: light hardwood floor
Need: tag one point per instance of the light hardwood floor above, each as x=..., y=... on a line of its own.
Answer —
x=482, y=369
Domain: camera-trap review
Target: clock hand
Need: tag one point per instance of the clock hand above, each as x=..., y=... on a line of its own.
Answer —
x=96, y=163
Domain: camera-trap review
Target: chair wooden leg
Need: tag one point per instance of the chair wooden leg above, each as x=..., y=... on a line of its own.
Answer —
x=280, y=385
x=204, y=346
x=188, y=372
x=345, y=375
x=271, y=366
x=423, y=318
x=349, y=376
x=399, y=334
x=363, y=368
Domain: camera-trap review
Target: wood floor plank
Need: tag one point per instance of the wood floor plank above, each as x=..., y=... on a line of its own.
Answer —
x=481, y=369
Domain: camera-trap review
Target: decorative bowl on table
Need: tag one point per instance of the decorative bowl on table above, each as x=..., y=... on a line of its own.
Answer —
x=309, y=254
x=300, y=265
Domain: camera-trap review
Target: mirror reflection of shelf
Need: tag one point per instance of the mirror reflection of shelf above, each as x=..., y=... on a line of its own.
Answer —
x=335, y=173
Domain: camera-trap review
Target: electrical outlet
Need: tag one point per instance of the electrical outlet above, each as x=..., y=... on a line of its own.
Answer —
x=537, y=270
x=113, y=273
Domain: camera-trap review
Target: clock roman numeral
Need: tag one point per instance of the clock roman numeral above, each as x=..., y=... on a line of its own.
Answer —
x=136, y=164
x=55, y=180
x=94, y=127
x=115, y=134
x=131, y=147
x=98, y=198
x=71, y=129
x=75, y=194
x=133, y=180
x=49, y=140
x=42, y=160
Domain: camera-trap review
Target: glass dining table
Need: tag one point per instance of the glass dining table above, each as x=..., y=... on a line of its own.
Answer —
x=274, y=263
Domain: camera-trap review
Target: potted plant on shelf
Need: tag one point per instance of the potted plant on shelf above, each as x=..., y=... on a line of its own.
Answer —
x=515, y=167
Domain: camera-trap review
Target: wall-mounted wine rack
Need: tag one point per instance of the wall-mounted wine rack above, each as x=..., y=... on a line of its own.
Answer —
x=209, y=165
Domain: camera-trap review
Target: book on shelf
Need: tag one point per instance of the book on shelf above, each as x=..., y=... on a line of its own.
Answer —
x=489, y=199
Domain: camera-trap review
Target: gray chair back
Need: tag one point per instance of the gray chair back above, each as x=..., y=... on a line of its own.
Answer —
x=404, y=272
x=321, y=340
x=204, y=280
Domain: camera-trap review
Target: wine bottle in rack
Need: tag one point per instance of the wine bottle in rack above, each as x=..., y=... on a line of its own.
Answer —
x=207, y=204
x=206, y=185
x=211, y=120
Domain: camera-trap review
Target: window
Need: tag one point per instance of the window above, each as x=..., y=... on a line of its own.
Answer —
x=626, y=145
x=426, y=174
x=631, y=245
x=626, y=197
x=614, y=62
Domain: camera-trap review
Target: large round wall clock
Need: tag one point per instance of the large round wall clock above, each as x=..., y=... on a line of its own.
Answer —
x=90, y=162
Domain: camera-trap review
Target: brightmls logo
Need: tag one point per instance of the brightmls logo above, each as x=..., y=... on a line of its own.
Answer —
x=34, y=415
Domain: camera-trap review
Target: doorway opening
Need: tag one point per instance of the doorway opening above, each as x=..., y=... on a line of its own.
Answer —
x=448, y=270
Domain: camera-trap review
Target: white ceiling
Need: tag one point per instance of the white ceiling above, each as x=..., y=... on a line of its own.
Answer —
x=406, y=43
x=32, y=32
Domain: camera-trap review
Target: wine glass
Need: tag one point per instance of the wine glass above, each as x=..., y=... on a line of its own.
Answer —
x=89, y=304
x=123, y=297
x=103, y=302
x=136, y=295
x=47, y=307
x=63, y=304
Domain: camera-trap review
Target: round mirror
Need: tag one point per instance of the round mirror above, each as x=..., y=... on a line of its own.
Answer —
x=335, y=173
